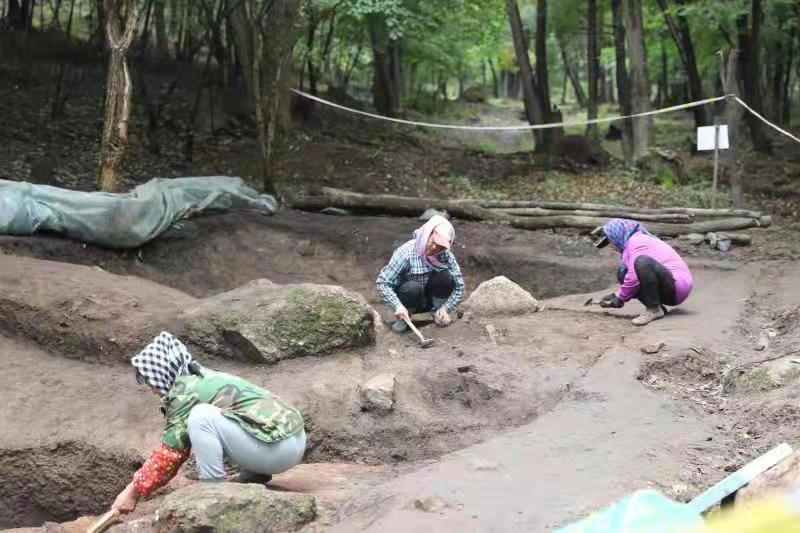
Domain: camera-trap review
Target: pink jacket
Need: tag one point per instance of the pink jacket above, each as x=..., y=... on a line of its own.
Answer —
x=644, y=244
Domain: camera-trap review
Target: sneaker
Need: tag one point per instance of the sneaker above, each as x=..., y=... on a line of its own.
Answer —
x=652, y=313
x=399, y=326
x=251, y=477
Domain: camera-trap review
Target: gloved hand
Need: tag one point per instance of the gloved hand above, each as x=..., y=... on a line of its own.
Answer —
x=611, y=301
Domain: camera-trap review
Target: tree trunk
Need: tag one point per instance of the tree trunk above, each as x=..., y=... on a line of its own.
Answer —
x=593, y=66
x=58, y=100
x=20, y=14
x=266, y=70
x=533, y=111
x=114, y=141
x=313, y=22
x=396, y=70
x=349, y=71
x=750, y=65
x=571, y=74
x=786, y=106
x=776, y=79
x=682, y=37
x=495, y=86
x=162, y=43
x=623, y=83
x=326, y=46
x=542, y=82
x=663, y=81
x=639, y=80
x=729, y=165
x=384, y=96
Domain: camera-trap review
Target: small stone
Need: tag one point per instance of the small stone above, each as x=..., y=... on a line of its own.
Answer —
x=431, y=504
x=652, y=348
x=459, y=353
x=393, y=352
x=430, y=213
x=494, y=336
x=466, y=368
x=378, y=393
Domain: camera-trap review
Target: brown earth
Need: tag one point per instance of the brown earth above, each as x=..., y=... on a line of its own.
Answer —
x=465, y=391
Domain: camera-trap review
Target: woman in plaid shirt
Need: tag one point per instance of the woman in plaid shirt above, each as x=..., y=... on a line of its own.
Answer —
x=423, y=275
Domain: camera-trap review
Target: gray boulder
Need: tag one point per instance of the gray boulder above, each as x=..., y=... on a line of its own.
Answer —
x=500, y=297
x=264, y=322
x=229, y=507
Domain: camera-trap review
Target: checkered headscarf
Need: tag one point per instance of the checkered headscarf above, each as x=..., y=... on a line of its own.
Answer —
x=162, y=361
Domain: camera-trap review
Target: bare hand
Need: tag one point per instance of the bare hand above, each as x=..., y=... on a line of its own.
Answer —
x=402, y=313
x=126, y=501
x=443, y=315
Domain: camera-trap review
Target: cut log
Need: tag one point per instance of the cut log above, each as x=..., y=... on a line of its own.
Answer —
x=412, y=207
x=659, y=228
x=643, y=217
x=566, y=206
x=394, y=205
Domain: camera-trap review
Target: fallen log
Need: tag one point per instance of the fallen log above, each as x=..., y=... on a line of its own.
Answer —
x=406, y=206
x=394, y=205
x=567, y=206
x=659, y=228
x=643, y=217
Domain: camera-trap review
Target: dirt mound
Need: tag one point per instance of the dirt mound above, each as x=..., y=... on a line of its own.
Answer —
x=60, y=482
x=82, y=312
x=208, y=255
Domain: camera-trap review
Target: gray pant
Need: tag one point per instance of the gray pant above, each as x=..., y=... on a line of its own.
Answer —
x=213, y=436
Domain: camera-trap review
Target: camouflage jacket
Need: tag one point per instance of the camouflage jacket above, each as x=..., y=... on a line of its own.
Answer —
x=259, y=412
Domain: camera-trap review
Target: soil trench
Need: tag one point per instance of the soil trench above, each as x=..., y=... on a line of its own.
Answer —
x=472, y=395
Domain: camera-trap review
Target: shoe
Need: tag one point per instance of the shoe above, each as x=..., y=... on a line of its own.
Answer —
x=399, y=326
x=252, y=477
x=652, y=313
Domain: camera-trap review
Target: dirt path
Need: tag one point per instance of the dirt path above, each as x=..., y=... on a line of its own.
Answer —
x=614, y=436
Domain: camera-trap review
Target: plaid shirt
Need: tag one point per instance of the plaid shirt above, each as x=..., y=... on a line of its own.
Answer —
x=407, y=265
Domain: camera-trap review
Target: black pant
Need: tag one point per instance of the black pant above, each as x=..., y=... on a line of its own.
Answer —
x=656, y=284
x=418, y=297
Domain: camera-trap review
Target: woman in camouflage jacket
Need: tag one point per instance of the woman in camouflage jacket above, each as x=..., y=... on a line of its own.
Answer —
x=217, y=415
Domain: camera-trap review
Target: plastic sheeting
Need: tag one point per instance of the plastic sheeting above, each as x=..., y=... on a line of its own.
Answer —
x=122, y=220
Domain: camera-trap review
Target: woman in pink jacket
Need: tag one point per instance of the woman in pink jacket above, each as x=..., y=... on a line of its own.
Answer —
x=651, y=270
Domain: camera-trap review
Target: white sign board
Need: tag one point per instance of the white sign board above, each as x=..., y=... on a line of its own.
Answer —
x=705, y=138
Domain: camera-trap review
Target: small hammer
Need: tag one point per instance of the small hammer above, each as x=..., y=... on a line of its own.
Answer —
x=423, y=342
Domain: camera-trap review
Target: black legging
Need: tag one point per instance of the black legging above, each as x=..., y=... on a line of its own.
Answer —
x=656, y=284
x=418, y=297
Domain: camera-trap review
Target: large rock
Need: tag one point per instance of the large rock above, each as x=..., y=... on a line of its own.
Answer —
x=265, y=322
x=780, y=479
x=378, y=393
x=500, y=296
x=230, y=507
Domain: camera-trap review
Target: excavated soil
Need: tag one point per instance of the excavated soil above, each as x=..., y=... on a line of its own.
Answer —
x=81, y=425
x=60, y=482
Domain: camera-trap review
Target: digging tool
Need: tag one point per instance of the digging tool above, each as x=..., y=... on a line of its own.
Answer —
x=104, y=522
x=423, y=342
